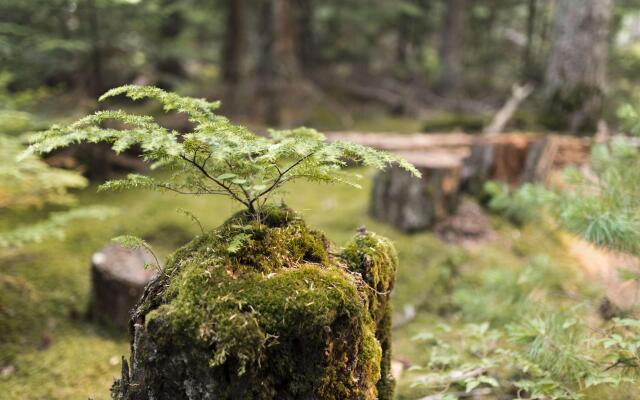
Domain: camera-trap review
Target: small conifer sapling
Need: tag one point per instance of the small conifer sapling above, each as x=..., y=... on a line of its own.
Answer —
x=217, y=157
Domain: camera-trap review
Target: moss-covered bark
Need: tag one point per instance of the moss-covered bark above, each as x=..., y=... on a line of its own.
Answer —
x=375, y=258
x=263, y=311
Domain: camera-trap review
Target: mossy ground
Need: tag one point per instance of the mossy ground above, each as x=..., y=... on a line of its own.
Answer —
x=58, y=356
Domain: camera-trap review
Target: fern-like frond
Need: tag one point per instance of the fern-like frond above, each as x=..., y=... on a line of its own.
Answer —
x=217, y=157
x=198, y=110
x=52, y=227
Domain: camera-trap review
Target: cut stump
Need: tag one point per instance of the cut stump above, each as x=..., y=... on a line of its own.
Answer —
x=283, y=317
x=411, y=204
x=118, y=278
x=540, y=158
x=502, y=160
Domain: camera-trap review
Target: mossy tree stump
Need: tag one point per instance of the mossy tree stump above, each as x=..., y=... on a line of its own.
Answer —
x=265, y=311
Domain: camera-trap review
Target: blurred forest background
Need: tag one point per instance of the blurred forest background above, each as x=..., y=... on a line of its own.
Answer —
x=434, y=65
x=364, y=66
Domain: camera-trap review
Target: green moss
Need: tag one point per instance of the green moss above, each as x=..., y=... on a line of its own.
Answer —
x=563, y=106
x=375, y=259
x=272, y=314
x=447, y=121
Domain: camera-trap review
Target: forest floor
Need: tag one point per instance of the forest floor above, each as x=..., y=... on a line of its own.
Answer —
x=604, y=266
x=48, y=351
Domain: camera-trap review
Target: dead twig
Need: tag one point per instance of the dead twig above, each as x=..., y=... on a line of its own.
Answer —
x=483, y=392
x=501, y=118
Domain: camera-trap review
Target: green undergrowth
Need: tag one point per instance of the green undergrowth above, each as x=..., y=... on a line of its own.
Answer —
x=524, y=276
x=45, y=286
x=463, y=122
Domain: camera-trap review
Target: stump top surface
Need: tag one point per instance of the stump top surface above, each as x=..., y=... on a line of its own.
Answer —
x=124, y=264
x=434, y=159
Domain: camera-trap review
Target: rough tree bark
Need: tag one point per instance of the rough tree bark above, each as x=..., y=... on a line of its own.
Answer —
x=118, y=278
x=306, y=38
x=235, y=38
x=96, y=85
x=282, y=317
x=451, y=48
x=411, y=204
x=278, y=65
x=528, y=66
x=234, y=54
x=575, y=81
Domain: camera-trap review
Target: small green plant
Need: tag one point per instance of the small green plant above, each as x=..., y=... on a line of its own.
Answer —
x=14, y=117
x=27, y=182
x=543, y=350
x=555, y=356
x=521, y=205
x=603, y=206
x=30, y=184
x=217, y=157
x=133, y=242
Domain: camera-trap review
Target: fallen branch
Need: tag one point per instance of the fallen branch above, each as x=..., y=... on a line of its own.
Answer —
x=474, y=393
x=454, y=376
x=502, y=117
x=408, y=315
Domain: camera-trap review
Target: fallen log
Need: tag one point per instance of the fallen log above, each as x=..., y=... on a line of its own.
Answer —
x=571, y=149
x=502, y=160
x=540, y=157
x=408, y=142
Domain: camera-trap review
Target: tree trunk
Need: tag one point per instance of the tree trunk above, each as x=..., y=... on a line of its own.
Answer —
x=285, y=39
x=278, y=48
x=118, y=277
x=168, y=65
x=279, y=64
x=234, y=54
x=528, y=67
x=575, y=81
x=306, y=38
x=502, y=160
x=234, y=47
x=96, y=84
x=411, y=204
x=266, y=67
x=279, y=319
x=452, y=48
